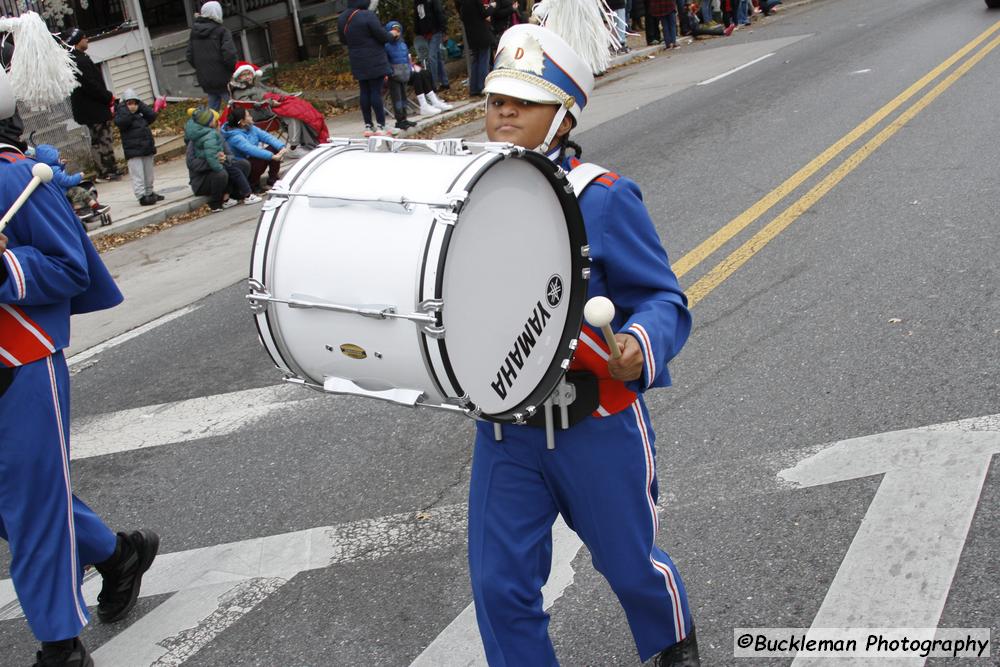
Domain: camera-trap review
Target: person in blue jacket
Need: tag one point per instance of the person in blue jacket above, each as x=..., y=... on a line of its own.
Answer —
x=359, y=28
x=262, y=150
x=81, y=197
x=49, y=270
x=601, y=475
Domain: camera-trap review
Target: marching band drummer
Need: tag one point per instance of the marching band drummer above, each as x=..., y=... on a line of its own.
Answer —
x=50, y=270
x=601, y=476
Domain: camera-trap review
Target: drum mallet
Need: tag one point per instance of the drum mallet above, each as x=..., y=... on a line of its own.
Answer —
x=599, y=312
x=40, y=173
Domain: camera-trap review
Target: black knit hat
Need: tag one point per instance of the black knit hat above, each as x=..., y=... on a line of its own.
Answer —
x=74, y=36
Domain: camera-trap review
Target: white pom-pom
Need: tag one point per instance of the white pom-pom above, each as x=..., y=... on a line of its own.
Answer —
x=599, y=312
x=42, y=73
x=588, y=26
x=42, y=172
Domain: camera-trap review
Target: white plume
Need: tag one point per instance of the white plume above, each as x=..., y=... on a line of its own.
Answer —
x=41, y=71
x=586, y=25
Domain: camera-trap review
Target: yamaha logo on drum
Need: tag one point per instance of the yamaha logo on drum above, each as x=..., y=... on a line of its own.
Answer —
x=554, y=291
x=523, y=345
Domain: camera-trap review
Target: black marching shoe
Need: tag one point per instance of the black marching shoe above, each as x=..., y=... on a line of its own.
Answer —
x=65, y=653
x=157, y=196
x=682, y=654
x=147, y=200
x=123, y=572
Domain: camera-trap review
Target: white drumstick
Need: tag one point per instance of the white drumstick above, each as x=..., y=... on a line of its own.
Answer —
x=40, y=173
x=599, y=312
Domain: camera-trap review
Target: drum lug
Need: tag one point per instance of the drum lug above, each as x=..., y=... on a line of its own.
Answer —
x=585, y=274
x=585, y=251
x=519, y=418
x=573, y=343
x=447, y=218
x=431, y=306
x=273, y=203
x=257, y=289
x=433, y=331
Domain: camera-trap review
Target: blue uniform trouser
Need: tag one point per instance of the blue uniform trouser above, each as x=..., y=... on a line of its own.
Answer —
x=602, y=478
x=51, y=533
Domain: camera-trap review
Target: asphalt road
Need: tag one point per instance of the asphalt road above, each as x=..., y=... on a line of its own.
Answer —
x=867, y=302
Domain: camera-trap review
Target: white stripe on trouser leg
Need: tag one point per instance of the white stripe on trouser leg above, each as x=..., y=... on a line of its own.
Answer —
x=668, y=575
x=74, y=570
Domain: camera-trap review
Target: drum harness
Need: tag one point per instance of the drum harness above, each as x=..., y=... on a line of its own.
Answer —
x=577, y=395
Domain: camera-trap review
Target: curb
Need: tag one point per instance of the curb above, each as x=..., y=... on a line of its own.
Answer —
x=153, y=217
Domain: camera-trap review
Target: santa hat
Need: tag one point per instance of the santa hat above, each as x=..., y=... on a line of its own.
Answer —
x=244, y=66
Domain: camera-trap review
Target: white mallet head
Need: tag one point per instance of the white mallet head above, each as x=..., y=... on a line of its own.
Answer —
x=42, y=172
x=599, y=311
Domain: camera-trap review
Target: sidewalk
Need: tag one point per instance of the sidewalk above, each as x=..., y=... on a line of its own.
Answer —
x=171, y=177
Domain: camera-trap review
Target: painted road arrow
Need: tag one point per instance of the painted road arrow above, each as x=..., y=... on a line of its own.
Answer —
x=899, y=568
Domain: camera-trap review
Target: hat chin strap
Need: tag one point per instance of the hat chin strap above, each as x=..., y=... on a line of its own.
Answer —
x=553, y=128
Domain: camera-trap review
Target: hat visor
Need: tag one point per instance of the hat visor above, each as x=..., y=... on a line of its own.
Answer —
x=505, y=85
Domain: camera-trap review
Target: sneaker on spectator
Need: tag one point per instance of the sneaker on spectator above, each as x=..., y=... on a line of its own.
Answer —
x=729, y=30
x=384, y=132
x=229, y=203
x=252, y=199
x=369, y=131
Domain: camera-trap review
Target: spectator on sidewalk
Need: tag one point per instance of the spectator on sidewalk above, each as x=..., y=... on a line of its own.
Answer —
x=665, y=13
x=699, y=29
x=503, y=18
x=91, y=103
x=478, y=40
x=402, y=72
x=212, y=54
x=429, y=25
x=360, y=29
x=248, y=142
x=82, y=199
x=133, y=118
x=213, y=171
x=306, y=125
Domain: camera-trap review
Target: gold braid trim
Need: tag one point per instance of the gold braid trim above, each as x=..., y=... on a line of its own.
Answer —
x=567, y=100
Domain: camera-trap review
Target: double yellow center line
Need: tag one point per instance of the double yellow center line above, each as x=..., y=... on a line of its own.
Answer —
x=704, y=285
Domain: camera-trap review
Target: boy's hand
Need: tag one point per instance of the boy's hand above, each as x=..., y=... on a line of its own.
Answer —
x=3, y=242
x=629, y=365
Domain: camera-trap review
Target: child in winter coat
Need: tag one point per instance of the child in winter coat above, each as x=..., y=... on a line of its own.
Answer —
x=262, y=150
x=133, y=118
x=84, y=202
x=206, y=146
x=403, y=71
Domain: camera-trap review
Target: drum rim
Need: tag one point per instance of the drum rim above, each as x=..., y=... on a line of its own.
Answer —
x=578, y=283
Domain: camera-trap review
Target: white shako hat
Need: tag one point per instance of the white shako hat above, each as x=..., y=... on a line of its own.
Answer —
x=534, y=63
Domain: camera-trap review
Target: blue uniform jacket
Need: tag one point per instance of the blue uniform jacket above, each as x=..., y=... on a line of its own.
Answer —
x=630, y=267
x=245, y=142
x=49, y=271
